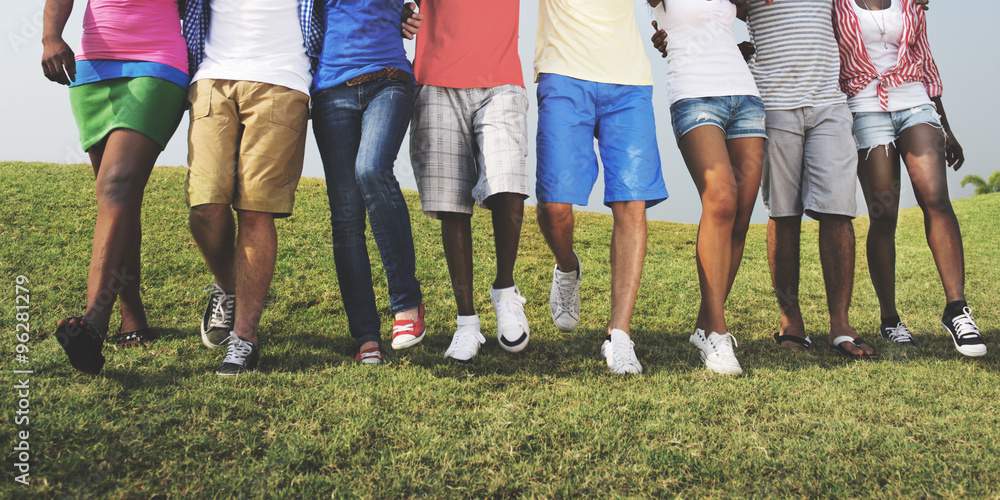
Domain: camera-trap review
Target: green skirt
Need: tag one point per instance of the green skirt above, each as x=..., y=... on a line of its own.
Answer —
x=150, y=106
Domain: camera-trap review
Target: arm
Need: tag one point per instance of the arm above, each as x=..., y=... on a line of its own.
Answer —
x=411, y=19
x=923, y=3
x=953, y=155
x=58, y=62
x=742, y=5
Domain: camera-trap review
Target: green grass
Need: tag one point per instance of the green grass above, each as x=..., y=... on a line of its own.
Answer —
x=548, y=422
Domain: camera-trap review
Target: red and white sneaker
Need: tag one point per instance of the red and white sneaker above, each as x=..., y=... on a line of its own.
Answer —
x=408, y=333
x=370, y=356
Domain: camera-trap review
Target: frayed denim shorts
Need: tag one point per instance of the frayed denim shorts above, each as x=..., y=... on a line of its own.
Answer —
x=737, y=115
x=879, y=128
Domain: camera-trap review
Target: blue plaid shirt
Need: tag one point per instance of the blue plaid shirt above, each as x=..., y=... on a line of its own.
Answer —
x=196, y=20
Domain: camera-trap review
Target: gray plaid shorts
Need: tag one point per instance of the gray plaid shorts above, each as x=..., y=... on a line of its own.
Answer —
x=467, y=145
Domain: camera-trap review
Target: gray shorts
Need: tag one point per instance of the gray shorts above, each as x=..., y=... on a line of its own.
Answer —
x=810, y=162
x=467, y=145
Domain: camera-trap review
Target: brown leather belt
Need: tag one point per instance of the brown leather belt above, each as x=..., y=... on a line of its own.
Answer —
x=382, y=74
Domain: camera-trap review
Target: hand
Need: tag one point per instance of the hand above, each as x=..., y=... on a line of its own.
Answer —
x=659, y=40
x=411, y=21
x=747, y=49
x=58, y=62
x=923, y=4
x=953, y=155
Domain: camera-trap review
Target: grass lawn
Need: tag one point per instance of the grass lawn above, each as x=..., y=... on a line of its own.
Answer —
x=547, y=422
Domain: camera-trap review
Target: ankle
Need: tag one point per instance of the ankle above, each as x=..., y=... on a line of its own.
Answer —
x=954, y=308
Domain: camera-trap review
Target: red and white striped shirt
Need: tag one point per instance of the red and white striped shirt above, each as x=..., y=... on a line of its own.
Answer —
x=915, y=63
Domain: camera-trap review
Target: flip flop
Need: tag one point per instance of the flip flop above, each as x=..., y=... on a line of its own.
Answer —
x=83, y=343
x=804, y=342
x=838, y=345
x=137, y=338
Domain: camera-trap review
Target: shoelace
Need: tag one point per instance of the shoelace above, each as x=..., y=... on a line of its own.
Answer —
x=624, y=352
x=964, y=324
x=238, y=350
x=899, y=333
x=222, y=307
x=463, y=341
x=723, y=344
x=514, y=309
x=406, y=327
x=566, y=290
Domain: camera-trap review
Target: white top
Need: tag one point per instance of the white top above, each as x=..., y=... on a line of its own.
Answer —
x=258, y=41
x=797, y=63
x=884, y=54
x=702, y=57
x=593, y=40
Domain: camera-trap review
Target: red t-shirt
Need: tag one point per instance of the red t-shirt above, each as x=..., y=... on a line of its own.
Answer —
x=468, y=44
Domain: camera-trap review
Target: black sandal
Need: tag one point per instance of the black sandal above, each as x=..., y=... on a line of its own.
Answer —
x=137, y=338
x=83, y=343
x=804, y=342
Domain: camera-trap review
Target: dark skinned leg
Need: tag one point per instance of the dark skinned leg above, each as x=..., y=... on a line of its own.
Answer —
x=836, y=255
x=507, y=211
x=456, y=235
x=878, y=171
x=123, y=168
x=920, y=146
x=747, y=156
x=783, y=235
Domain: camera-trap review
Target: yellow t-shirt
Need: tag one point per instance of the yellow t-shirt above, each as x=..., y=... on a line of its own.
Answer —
x=594, y=40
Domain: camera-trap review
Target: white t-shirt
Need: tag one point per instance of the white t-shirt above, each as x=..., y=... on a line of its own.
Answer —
x=593, y=40
x=884, y=54
x=257, y=41
x=702, y=57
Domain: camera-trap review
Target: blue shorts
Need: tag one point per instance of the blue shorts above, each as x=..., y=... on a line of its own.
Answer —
x=879, y=128
x=571, y=114
x=738, y=116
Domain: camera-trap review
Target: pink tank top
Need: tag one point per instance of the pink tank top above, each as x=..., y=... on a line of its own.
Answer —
x=133, y=30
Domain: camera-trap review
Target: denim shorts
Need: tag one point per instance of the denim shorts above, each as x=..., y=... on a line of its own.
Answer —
x=737, y=115
x=571, y=114
x=878, y=128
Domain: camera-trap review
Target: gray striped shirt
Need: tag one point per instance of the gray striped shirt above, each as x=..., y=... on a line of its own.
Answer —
x=797, y=62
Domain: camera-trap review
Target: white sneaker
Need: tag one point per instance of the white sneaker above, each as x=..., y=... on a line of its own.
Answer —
x=564, y=298
x=717, y=351
x=512, y=324
x=465, y=343
x=619, y=351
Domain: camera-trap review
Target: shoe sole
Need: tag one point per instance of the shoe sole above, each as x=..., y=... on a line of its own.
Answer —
x=721, y=369
x=516, y=346
x=408, y=343
x=966, y=352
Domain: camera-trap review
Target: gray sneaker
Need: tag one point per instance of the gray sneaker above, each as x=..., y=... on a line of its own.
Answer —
x=564, y=298
x=218, y=319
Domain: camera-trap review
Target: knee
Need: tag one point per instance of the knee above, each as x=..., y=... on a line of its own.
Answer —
x=250, y=220
x=119, y=190
x=719, y=204
x=206, y=214
x=936, y=203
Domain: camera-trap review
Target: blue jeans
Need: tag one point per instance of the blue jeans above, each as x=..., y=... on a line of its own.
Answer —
x=359, y=130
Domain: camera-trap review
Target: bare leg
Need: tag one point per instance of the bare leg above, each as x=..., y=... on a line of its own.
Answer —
x=123, y=168
x=747, y=156
x=555, y=220
x=920, y=147
x=878, y=171
x=836, y=255
x=214, y=232
x=628, y=251
x=456, y=235
x=256, y=252
x=507, y=211
x=783, y=258
x=704, y=151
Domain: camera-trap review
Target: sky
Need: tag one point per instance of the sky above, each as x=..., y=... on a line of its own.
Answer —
x=39, y=125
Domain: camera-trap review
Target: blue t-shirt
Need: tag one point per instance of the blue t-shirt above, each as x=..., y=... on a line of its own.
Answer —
x=361, y=36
